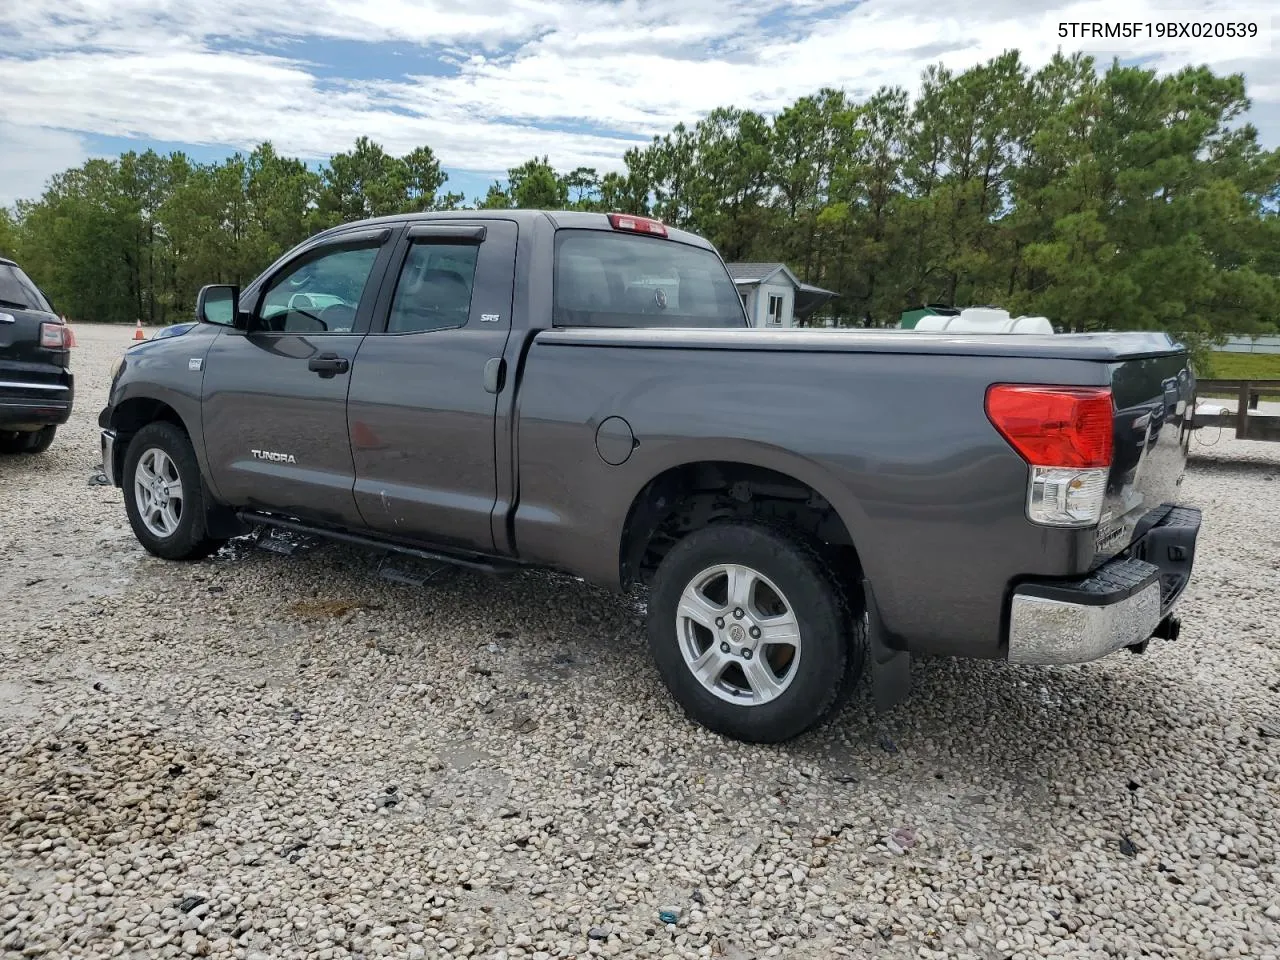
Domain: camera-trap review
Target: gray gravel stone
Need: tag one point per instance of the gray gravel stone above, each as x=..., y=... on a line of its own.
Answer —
x=162, y=742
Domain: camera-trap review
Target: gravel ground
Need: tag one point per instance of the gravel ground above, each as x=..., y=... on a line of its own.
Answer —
x=274, y=757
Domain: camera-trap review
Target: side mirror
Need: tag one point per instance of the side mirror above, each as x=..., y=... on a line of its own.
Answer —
x=218, y=303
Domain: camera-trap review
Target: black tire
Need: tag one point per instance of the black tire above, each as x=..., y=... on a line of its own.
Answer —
x=833, y=638
x=36, y=441
x=190, y=539
x=41, y=440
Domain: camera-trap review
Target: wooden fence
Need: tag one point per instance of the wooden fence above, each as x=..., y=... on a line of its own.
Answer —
x=1248, y=426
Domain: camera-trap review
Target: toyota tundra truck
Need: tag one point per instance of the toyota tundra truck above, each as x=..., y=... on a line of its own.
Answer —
x=583, y=392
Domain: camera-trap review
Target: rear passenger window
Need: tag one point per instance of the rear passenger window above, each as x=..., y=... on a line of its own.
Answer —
x=433, y=291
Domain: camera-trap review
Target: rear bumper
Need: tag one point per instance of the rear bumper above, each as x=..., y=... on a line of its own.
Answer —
x=34, y=395
x=22, y=412
x=1121, y=604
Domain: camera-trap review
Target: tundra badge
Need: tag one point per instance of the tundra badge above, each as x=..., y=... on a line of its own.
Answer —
x=273, y=457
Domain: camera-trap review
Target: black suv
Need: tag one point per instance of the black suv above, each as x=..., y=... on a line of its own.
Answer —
x=36, y=386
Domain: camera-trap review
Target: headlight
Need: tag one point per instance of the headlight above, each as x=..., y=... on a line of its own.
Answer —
x=116, y=364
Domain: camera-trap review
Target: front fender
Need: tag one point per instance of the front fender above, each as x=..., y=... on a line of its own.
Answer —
x=161, y=379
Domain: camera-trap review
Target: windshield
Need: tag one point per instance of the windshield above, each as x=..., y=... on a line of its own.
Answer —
x=17, y=290
x=623, y=280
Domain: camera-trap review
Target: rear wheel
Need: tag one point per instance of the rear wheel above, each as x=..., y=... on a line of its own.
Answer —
x=35, y=441
x=164, y=494
x=751, y=632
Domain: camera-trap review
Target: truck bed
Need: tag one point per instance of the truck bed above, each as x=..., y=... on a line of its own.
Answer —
x=895, y=437
x=1077, y=346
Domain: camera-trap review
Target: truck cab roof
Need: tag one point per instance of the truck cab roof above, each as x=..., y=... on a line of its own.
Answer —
x=557, y=219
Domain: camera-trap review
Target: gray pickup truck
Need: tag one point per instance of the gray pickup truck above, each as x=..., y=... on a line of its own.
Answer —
x=582, y=392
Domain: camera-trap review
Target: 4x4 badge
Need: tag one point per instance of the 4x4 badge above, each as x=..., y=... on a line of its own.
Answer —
x=195, y=363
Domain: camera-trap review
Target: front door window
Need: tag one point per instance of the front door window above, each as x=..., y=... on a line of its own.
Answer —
x=320, y=294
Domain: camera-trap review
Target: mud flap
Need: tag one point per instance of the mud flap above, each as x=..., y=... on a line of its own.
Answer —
x=222, y=523
x=890, y=669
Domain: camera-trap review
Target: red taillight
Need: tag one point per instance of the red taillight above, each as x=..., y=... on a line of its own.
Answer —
x=55, y=336
x=624, y=221
x=1054, y=426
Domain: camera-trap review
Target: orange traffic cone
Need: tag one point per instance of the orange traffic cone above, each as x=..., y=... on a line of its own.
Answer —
x=137, y=333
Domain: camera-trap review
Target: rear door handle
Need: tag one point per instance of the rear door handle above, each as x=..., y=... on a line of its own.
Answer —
x=328, y=364
x=494, y=368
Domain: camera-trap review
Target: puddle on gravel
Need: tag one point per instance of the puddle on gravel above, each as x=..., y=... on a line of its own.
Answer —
x=18, y=701
x=40, y=579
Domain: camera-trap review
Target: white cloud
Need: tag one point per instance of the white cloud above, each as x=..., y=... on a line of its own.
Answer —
x=29, y=156
x=196, y=73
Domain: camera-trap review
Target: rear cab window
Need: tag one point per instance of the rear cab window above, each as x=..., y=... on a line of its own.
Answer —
x=611, y=279
x=17, y=290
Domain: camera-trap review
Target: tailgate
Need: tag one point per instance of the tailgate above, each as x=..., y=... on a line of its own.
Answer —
x=28, y=370
x=1154, y=400
x=22, y=309
x=20, y=336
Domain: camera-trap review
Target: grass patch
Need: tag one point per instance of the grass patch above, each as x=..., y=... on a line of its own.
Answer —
x=1242, y=366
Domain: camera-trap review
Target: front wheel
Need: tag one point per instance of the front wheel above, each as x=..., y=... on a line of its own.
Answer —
x=164, y=494
x=751, y=633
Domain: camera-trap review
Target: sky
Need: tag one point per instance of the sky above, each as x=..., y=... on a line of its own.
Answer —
x=488, y=84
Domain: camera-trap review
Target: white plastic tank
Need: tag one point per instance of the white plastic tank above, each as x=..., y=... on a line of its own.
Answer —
x=984, y=320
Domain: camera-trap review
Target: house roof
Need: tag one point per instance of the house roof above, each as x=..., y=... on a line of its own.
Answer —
x=746, y=273
x=811, y=289
x=809, y=298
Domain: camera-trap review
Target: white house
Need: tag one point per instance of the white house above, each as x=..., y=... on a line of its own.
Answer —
x=773, y=295
x=1251, y=345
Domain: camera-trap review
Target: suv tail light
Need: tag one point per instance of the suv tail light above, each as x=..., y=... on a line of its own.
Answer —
x=55, y=336
x=624, y=221
x=1066, y=435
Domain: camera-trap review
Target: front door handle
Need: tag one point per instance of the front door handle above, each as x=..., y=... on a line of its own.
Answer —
x=328, y=364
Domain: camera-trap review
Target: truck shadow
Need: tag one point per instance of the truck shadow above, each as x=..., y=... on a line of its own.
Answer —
x=560, y=629
x=978, y=744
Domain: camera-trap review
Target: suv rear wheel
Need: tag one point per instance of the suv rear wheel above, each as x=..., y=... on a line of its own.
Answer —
x=164, y=494
x=35, y=441
x=751, y=633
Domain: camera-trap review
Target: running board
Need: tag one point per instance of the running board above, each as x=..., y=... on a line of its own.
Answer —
x=372, y=543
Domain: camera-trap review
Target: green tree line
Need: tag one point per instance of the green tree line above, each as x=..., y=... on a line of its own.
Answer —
x=1101, y=199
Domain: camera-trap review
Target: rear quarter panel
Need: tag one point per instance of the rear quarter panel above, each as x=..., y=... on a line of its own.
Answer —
x=900, y=445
